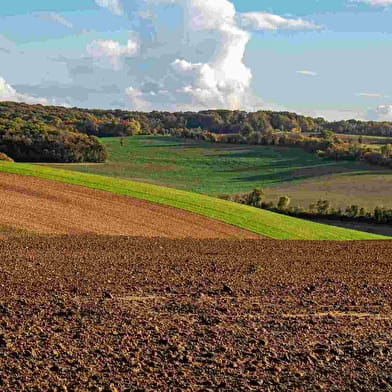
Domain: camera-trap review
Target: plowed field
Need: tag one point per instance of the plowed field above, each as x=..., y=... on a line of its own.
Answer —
x=50, y=207
x=135, y=314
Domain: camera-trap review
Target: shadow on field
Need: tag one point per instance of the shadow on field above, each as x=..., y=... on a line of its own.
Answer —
x=360, y=226
x=271, y=178
x=381, y=172
x=308, y=172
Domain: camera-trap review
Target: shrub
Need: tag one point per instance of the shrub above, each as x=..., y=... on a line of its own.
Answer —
x=323, y=207
x=5, y=157
x=255, y=198
x=283, y=203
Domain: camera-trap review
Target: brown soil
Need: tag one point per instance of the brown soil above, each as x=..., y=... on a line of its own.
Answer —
x=51, y=207
x=134, y=314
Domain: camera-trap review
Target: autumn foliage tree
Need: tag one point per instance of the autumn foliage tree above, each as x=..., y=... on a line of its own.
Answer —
x=5, y=158
x=28, y=141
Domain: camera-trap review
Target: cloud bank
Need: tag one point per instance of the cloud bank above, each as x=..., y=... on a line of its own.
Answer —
x=8, y=93
x=381, y=113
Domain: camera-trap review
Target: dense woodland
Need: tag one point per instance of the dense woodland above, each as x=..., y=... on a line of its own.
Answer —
x=34, y=141
x=26, y=137
x=120, y=122
x=58, y=134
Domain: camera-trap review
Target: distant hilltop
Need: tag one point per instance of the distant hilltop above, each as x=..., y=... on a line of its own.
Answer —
x=118, y=122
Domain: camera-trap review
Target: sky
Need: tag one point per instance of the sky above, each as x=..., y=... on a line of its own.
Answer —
x=328, y=58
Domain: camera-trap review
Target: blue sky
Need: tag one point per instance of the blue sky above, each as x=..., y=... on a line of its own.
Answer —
x=329, y=58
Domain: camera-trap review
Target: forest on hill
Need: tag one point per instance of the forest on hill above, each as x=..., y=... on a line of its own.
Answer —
x=58, y=134
x=120, y=122
x=35, y=141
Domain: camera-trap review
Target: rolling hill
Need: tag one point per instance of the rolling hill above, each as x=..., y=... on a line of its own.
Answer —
x=36, y=205
x=216, y=169
x=258, y=221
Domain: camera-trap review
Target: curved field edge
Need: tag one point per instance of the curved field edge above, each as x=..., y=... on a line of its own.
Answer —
x=259, y=221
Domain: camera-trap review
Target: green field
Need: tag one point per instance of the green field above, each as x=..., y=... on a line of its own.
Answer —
x=256, y=220
x=207, y=168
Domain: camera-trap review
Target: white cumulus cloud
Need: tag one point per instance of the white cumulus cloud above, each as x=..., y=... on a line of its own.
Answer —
x=224, y=81
x=267, y=21
x=137, y=100
x=212, y=76
x=185, y=66
x=103, y=48
x=8, y=93
x=113, y=5
x=112, y=50
x=381, y=113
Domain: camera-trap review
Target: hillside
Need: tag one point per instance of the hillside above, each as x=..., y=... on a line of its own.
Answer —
x=217, y=169
x=259, y=221
x=35, y=205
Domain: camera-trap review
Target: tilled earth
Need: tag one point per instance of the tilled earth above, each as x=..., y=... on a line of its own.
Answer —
x=41, y=206
x=137, y=314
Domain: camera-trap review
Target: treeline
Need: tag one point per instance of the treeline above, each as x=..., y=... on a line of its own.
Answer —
x=61, y=129
x=355, y=127
x=217, y=121
x=34, y=141
x=121, y=123
x=327, y=145
x=322, y=209
x=354, y=151
x=111, y=128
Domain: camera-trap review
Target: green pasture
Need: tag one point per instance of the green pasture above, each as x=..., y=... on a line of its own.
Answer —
x=207, y=168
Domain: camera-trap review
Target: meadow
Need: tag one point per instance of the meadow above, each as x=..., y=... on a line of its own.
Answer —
x=207, y=168
x=216, y=169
